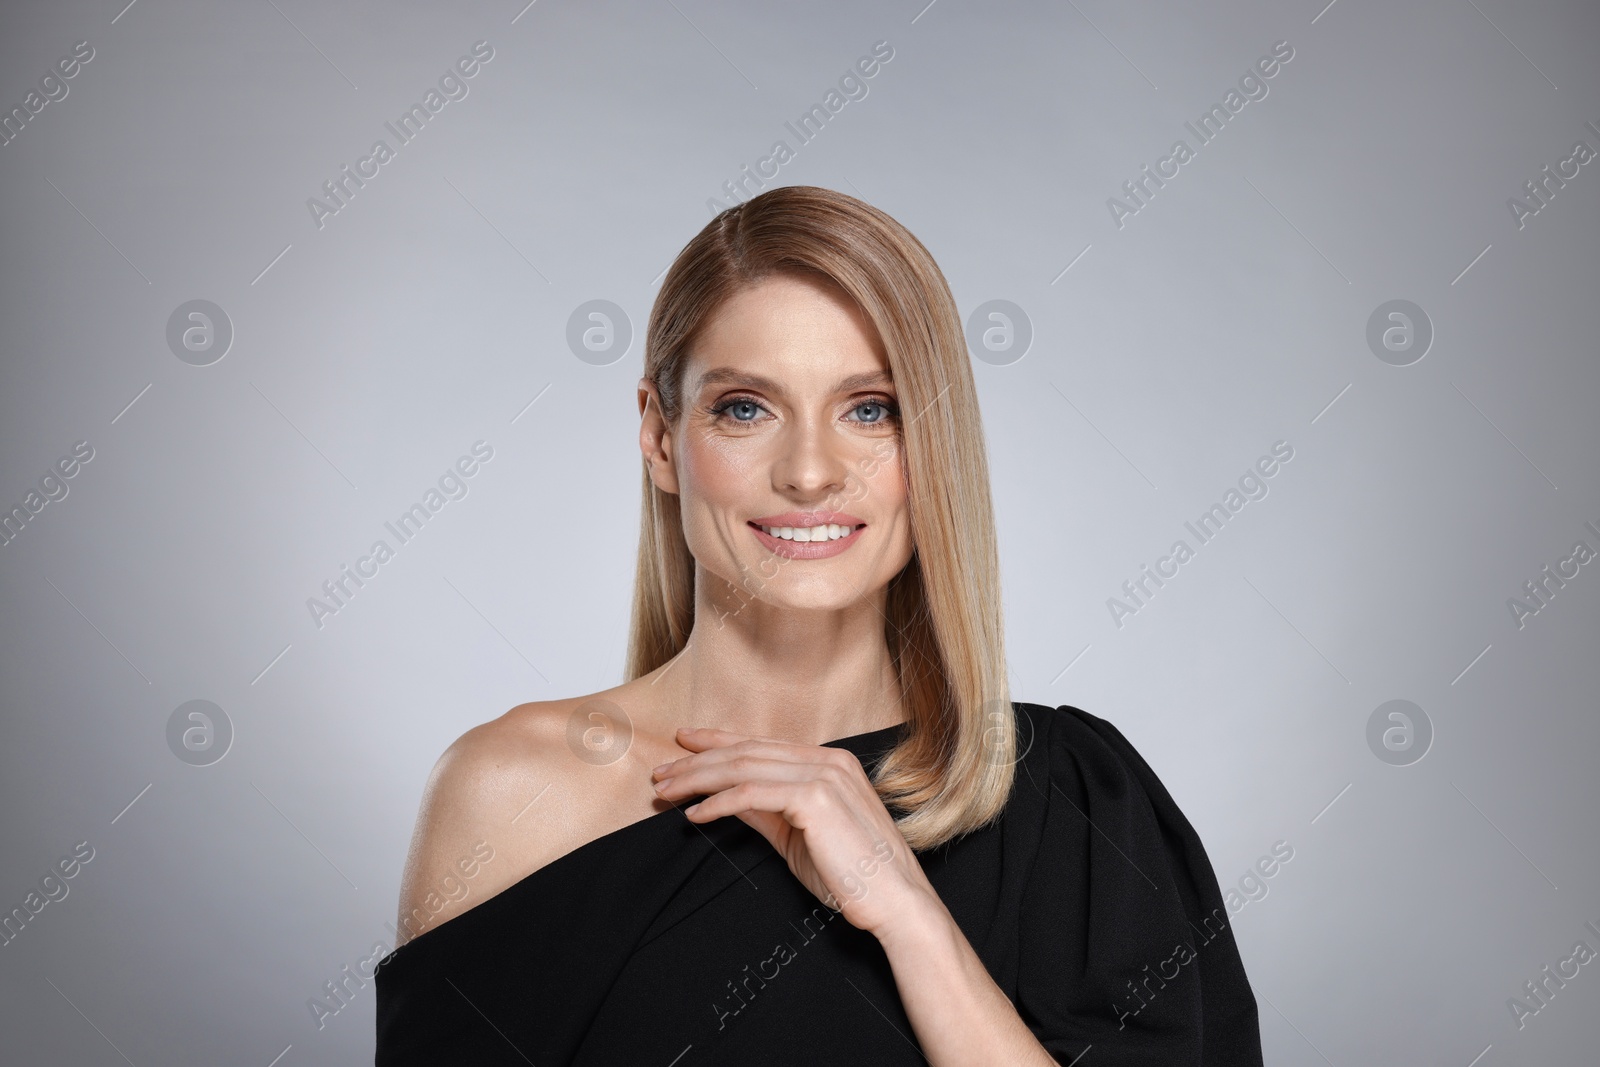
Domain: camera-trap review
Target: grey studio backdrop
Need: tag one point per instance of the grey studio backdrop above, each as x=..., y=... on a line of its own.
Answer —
x=1342, y=346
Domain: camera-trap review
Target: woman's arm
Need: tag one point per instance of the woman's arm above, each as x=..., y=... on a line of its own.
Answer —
x=960, y=1016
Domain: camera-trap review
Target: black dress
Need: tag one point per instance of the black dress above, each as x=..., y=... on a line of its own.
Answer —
x=667, y=944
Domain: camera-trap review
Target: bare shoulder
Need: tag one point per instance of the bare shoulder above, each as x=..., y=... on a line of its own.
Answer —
x=514, y=793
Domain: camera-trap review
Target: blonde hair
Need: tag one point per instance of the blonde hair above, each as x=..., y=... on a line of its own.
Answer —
x=954, y=769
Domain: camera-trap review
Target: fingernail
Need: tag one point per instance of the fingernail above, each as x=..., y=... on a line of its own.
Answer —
x=661, y=768
x=663, y=784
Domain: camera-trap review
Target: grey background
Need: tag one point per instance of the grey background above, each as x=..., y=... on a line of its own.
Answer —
x=1229, y=313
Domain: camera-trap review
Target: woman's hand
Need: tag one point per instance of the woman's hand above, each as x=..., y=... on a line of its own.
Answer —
x=817, y=808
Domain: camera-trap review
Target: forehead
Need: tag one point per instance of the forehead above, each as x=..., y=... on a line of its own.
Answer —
x=788, y=327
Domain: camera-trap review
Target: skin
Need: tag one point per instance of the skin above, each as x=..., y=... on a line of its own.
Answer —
x=784, y=654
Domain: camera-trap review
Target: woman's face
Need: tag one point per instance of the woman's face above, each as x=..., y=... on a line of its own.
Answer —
x=786, y=454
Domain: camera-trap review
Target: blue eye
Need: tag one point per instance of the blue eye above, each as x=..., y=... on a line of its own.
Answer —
x=871, y=412
x=739, y=409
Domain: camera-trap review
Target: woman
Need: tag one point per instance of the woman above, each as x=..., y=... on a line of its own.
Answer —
x=888, y=861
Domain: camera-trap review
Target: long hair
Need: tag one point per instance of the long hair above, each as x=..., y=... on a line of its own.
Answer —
x=953, y=771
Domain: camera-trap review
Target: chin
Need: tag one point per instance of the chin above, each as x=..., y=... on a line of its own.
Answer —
x=824, y=598
x=788, y=590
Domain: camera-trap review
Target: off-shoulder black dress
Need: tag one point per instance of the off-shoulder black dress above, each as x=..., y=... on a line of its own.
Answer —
x=667, y=944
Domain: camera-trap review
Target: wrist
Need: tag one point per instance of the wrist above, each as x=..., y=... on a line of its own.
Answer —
x=921, y=922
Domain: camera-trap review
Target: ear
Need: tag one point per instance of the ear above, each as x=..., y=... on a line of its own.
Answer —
x=655, y=439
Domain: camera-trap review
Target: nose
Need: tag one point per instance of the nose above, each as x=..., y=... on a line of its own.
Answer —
x=810, y=461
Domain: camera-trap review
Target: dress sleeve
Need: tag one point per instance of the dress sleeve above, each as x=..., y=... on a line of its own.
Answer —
x=1126, y=946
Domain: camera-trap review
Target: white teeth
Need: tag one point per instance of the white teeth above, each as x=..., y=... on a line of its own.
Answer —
x=825, y=532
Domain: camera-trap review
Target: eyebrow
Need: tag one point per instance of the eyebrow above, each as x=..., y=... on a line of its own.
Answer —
x=728, y=376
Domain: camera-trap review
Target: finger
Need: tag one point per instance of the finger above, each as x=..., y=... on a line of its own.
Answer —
x=799, y=803
x=770, y=825
x=764, y=748
x=702, y=741
x=705, y=737
x=700, y=738
x=704, y=779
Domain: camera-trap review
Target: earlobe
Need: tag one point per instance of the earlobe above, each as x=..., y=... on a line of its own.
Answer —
x=664, y=480
x=661, y=467
x=655, y=441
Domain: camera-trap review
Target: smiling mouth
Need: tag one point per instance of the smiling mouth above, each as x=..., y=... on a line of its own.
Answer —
x=825, y=532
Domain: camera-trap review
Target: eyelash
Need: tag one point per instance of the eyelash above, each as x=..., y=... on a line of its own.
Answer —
x=720, y=409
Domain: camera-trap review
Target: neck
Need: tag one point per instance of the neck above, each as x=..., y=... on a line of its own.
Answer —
x=793, y=675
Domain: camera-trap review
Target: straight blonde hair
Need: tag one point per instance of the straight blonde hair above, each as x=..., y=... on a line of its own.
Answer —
x=953, y=771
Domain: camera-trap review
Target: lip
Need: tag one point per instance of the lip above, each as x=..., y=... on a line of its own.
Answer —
x=809, y=518
x=806, y=549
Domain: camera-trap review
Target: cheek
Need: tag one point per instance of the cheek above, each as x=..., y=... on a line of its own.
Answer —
x=716, y=470
x=881, y=481
x=891, y=482
x=715, y=477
